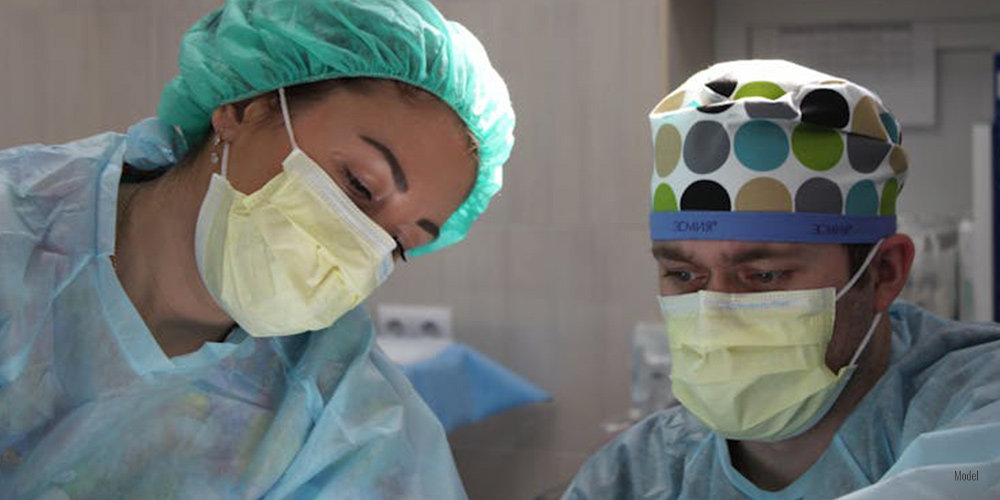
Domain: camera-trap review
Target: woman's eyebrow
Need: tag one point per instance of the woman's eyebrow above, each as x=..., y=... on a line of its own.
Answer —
x=430, y=227
x=400, y=180
x=397, y=172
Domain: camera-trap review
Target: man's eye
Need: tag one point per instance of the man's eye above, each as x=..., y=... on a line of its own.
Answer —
x=357, y=185
x=766, y=277
x=679, y=276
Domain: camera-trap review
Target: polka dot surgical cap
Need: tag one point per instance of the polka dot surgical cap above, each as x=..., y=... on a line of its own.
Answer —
x=773, y=151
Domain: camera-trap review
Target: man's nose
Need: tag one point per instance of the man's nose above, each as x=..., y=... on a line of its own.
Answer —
x=724, y=283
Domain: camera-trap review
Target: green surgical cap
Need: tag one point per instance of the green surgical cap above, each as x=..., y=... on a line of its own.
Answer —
x=249, y=47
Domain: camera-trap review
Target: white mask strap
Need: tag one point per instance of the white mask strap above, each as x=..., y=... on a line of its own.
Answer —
x=225, y=158
x=868, y=336
x=286, y=117
x=864, y=267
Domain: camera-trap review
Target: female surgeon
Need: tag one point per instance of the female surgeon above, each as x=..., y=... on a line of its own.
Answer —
x=178, y=305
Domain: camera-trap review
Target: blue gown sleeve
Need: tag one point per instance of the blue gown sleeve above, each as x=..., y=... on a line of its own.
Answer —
x=372, y=436
x=952, y=464
x=646, y=462
x=959, y=401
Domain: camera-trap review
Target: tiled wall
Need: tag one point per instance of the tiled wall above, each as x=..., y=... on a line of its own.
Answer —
x=73, y=68
x=553, y=277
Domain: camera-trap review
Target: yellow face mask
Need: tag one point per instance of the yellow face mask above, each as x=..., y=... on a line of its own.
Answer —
x=753, y=366
x=293, y=256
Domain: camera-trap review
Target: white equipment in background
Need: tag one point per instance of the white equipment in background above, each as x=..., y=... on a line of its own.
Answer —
x=977, y=243
x=934, y=282
x=413, y=334
x=408, y=321
x=651, y=369
x=650, y=376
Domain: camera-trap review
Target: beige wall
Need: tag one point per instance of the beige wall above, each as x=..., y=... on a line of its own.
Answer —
x=690, y=38
x=549, y=282
x=73, y=68
x=553, y=277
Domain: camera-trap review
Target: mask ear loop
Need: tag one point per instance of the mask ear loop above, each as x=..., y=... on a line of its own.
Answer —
x=225, y=158
x=868, y=337
x=288, y=127
x=285, y=116
x=878, y=315
x=861, y=271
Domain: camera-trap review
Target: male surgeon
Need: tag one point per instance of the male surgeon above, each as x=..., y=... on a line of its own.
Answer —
x=800, y=375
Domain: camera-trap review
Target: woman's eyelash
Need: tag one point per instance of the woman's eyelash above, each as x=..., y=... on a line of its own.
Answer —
x=360, y=188
x=357, y=185
x=402, y=251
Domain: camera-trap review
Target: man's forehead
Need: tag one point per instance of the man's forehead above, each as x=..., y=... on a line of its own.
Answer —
x=733, y=250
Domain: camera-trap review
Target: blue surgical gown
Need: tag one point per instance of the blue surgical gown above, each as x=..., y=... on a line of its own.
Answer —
x=935, y=411
x=91, y=408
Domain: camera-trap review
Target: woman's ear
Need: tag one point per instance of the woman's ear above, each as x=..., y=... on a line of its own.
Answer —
x=226, y=121
x=891, y=269
x=231, y=120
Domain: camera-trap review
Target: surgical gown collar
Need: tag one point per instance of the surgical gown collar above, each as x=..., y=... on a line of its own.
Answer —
x=151, y=144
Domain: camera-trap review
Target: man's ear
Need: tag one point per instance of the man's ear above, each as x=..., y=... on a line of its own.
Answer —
x=891, y=269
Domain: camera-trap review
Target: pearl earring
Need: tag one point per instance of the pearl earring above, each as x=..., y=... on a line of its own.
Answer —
x=215, y=150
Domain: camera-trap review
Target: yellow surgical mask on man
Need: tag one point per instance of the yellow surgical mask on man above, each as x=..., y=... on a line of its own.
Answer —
x=752, y=366
x=294, y=255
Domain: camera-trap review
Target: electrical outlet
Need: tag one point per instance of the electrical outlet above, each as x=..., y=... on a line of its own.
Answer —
x=414, y=321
